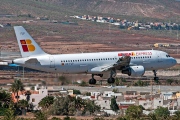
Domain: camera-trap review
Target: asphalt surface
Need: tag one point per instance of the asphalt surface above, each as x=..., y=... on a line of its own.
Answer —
x=101, y=89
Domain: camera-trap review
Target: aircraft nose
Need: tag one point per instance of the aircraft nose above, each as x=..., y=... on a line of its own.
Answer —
x=174, y=62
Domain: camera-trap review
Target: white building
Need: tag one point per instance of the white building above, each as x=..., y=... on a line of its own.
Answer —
x=36, y=96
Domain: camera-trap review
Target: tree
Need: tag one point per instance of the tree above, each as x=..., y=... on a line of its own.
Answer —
x=123, y=80
x=121, y=118
x=5, y=98
x=176, y=81
x=115, y=90
x=162, y=112
x=10, y=114
x=176, y=115
x=169, y=81
x=71, y=108
x=76, y=91
x=157, y=81
x=79, y=103
x=88, y=94
x=83, y=83
x=91, y=107
x=23, y=104
x=114, y=106
x=134, y=112
x=16, y=87
x=55, y=118
x=41, y=115
x=46, y=102
x=28, y=94
x=62, y=106
x=152, y=116
x=140, y=83
x=117, y=81
x=63, y=80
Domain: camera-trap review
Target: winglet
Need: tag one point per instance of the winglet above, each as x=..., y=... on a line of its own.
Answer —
x=27, y=45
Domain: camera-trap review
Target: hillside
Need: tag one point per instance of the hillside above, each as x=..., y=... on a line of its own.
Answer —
x=86, y=36
x=146, y=8
x=162, y=9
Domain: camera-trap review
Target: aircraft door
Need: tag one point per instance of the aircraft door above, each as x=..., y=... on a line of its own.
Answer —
x=159, y=56
x=52, y=62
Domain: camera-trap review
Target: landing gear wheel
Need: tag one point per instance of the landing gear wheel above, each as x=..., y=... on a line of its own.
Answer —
x=156, y=78
x=111, y=80
x=92, y=81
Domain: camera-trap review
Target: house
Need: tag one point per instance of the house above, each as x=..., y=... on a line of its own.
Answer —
x=104, y=103
x=94, y=95
x=35, y=96
x=129, y=95
x=124, y=105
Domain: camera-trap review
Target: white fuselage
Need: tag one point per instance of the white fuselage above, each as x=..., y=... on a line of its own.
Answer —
x=85, y=62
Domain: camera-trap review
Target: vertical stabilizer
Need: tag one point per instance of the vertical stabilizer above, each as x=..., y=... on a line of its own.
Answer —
x=27, y=45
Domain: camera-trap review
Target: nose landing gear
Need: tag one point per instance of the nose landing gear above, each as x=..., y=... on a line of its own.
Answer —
x=155, y=73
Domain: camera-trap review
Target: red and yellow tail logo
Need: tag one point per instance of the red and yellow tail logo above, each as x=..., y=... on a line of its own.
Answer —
x=27, y=45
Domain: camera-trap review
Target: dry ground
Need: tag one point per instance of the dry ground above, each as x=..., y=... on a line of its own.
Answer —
x=56, y=38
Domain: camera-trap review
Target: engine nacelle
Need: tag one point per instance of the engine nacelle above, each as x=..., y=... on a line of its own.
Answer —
x=134, y=71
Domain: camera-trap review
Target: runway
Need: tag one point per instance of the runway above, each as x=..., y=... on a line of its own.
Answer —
x=101, y=89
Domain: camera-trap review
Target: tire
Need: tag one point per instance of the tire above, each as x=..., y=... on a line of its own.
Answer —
x=111, y=80
x=92, y=81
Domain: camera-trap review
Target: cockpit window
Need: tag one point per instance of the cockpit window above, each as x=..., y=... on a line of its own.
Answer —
x=168, y=56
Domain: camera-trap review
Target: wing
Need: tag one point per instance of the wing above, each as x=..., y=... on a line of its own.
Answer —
x=32, y=61
x=121, y=63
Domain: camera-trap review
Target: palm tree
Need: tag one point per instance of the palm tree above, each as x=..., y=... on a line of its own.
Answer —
x=23, y=104
x=5, y=98
x=28, y=94
x=9, y=114
x=16, y=87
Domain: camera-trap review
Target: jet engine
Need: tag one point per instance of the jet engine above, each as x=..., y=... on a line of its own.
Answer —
x=134, y=70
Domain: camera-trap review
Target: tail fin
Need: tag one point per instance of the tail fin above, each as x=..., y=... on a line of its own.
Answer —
x=27, y=45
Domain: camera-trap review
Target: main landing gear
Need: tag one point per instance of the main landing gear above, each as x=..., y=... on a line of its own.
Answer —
x=109, y=80
x=92, y=80
x=155, y=78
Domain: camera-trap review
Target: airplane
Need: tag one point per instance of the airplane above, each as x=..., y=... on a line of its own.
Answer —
x=132, y=63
